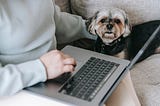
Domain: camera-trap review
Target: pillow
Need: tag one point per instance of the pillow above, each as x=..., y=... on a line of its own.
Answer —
x=139, y=35
x=63, y=4
x=139, y=11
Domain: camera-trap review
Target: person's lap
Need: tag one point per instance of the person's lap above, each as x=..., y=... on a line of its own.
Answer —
x=124, y=94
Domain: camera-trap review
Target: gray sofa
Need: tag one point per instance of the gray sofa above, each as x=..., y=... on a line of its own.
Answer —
x=145, y=75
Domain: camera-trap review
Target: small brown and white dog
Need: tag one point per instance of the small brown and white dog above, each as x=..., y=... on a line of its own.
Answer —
x=112, y=28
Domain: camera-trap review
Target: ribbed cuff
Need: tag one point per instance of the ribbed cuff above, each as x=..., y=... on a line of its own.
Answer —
x=33, y=72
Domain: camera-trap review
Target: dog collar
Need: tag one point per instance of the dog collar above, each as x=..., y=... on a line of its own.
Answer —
x=113, y=48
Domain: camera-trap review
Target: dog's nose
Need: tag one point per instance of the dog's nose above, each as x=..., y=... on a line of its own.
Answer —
x=109, y=26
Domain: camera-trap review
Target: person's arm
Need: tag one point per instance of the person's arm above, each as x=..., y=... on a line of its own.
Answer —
x=69, y=27
x=14, y=78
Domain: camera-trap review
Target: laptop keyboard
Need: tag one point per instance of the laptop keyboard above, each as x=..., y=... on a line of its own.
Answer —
x=86, y=83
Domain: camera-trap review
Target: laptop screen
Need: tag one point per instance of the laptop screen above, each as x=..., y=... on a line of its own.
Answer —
x=145, y=46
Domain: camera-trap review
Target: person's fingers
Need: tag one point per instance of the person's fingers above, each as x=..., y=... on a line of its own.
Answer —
x=68, y=68
x=69, y=61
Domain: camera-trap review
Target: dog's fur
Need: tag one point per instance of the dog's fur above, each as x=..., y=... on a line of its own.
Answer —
x=112, y=28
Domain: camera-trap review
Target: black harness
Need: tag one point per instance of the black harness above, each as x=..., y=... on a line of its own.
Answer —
x=113, y=48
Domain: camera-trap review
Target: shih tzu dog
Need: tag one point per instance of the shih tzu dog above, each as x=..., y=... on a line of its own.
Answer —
x=115, y=37
x=112, y=28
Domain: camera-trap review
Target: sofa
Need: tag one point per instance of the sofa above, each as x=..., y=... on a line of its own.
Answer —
x=145, y=75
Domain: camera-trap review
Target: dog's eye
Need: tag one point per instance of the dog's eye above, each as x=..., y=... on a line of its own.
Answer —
x=102, y=20
x=117, y=21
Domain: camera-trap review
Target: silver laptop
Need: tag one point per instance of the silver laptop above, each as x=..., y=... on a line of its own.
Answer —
x=94, y=79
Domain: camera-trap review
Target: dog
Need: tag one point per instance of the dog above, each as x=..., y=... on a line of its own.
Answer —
x=112, y=28
x=116, y=37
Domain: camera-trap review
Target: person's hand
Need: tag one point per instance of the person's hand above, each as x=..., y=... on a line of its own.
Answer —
x=57, y=63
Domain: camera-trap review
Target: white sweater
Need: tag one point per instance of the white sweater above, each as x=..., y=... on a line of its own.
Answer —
x=28, y=29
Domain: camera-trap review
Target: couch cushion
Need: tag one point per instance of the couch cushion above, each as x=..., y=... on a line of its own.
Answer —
x=146, y=79
x=139, y=11
x=63, y=4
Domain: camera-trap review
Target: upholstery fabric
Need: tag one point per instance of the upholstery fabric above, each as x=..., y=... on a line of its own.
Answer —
x=146, y=80
x=63, y=4
x=139, y=11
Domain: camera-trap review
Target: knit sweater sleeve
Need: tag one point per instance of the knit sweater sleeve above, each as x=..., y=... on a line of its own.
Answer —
x=14, y=78
x=69, y=27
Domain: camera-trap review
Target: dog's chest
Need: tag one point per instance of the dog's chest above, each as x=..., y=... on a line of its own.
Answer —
x=114, y=49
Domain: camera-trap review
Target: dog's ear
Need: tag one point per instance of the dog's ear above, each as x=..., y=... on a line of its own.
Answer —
x=90, y=22
x=127, y=27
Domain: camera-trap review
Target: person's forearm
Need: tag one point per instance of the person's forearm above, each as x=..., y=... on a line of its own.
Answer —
x=14, y=78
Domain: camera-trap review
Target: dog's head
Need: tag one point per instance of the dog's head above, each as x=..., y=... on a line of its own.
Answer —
x=109, y=24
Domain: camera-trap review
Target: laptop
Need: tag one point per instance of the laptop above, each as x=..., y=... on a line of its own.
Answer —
x=94, y=79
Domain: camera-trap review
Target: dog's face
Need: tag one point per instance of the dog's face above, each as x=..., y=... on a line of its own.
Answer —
x=109, y=25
